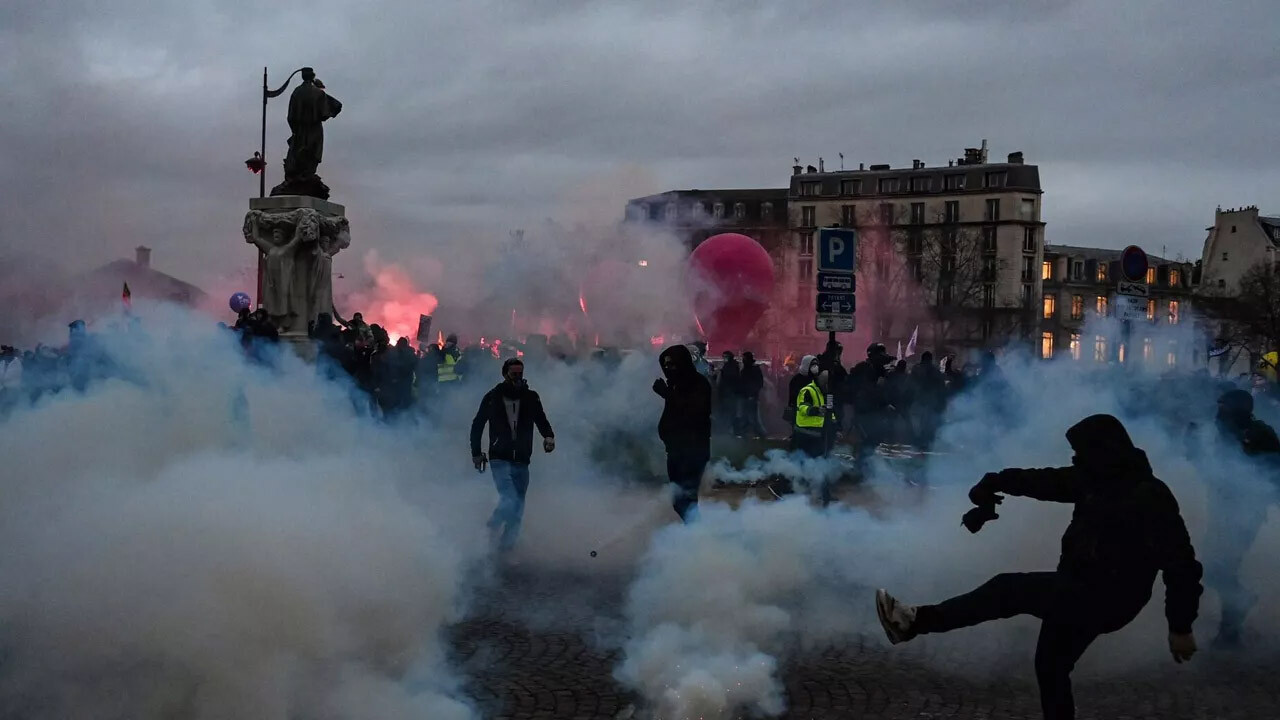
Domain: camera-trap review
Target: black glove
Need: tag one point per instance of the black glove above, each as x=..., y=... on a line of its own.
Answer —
x=985, y=492
x=978, y=516
x=660, y=387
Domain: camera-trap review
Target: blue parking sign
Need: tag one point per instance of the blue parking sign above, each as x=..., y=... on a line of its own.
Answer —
x=837, y=250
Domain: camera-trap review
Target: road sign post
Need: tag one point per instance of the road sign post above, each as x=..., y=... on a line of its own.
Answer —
x=1131, y=294
x=836, y=301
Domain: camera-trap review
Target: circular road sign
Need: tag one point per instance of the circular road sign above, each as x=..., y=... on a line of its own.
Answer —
x=1133, y=264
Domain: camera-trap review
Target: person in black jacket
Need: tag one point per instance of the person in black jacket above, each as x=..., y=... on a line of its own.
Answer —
x=750, y=386
x=728, y=383
x=1126, y=527
x=1238, y=505
x=511, y=410
x=685, y=426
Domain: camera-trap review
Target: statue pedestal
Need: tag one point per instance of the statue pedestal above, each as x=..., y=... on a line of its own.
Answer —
x=298, y=236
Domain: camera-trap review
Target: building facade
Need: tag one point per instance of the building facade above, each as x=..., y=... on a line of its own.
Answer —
x=1239, y=239
x=954, y=251
x=1079, y=285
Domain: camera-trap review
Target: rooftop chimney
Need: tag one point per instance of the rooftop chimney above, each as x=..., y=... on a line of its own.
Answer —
x=821, y=167
x=916, y=164
x=142, y=256
x=983, y=159
x=811, y=169
x=862, y=166
x=1015, y=158
x=796, y=169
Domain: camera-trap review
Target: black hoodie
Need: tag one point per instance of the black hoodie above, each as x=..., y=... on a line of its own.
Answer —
x=1126, y=526
x=685, y=426
x=502, y=444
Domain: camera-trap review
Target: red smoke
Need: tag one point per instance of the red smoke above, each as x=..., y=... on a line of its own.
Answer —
x=392, y=301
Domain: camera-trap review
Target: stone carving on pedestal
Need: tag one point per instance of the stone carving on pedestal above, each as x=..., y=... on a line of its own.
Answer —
x=298, y=237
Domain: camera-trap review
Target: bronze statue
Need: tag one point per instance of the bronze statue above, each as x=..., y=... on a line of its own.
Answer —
x=309, y=106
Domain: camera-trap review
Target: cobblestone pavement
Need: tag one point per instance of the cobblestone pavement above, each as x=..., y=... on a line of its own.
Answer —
x=544, y=645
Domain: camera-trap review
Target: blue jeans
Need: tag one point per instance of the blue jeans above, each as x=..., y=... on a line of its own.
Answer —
x=512, y=481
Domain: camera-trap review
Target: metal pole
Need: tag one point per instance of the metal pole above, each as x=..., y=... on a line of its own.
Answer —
x=262, y=176
x=1126, y=328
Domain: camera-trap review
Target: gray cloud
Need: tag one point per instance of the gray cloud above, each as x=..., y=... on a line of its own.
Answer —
x=127, y=122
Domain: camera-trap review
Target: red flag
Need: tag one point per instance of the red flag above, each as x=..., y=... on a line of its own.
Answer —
x=127, y=297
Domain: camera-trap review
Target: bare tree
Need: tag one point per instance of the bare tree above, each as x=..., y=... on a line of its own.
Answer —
x=1252, y=316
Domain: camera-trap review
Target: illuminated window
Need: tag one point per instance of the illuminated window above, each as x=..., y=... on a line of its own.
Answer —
x=1151, y=310
x=1175, y=278
x=1075, y=346
x=1046, y=344
x=1171, y=357
x=1101, y=306
x=1102, y=272
x=1050, y=305
x=1151, y=276
x=1100, y=348
x=1148, y=350
x=1077, y=307
x=1173, y=312
x=1046, y=270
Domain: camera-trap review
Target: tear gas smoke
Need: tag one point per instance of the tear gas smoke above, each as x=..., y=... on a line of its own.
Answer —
x=719, y=605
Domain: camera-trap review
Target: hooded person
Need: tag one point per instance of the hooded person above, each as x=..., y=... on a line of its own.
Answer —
x=685, y=426
x=1242, y=475
x=750, y=386
x=805, y=374
x=728, y=385
x=511, y=410
x=1125, y=529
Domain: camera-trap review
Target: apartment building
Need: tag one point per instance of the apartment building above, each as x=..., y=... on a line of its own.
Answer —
x=1239, y=239
x=1079, y=283
x=955, y=250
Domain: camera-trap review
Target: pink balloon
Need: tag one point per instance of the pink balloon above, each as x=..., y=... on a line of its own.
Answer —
x=732, y=279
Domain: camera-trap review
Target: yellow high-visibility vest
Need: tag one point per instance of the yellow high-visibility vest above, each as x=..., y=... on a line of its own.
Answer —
x=446, y=372
x=810, y=396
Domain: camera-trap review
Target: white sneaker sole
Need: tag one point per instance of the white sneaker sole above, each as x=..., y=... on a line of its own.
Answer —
x=884, y=608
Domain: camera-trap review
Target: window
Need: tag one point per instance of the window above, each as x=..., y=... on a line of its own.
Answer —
x=996, y=179
x=1151, y=310
x=917, y=213
x=993, y=210
x=989, y=296
x=1046, y=270
x=808, y=216
x=1100, y=348
x=1151, y=276
x=850, y=187
x=1173, y=312
x=1102, y=272
x=1171, y=357
x=1029, y=240
x=1101, y=306
x=1075, y=346
x=988, y=240
x=672, y=211
x=1046, y=345
x=1222, y=284
x=989, y=269
x=739, y=211
x=917, y=269
x=1050, y=306
x=888, y=185
x=1233, y=228
x=1175, y=278
x=1224, y=257
x=806, y=244
x=1077, y=270
x=1028, y=269
x=947, y=266
x=717, y=210
x=1027, y=210
x=696, y=210
x=766, y=211
x=1026, y=296
x=886, y=213
x=1148, y=350
x=952, y=213
x=915, y=242
x=920, y=184
x=848, y=216
x=944, y=294
x=955, y=182
x=1077, y=307
x=810, y=189
x=948, y=242
x=805, y=269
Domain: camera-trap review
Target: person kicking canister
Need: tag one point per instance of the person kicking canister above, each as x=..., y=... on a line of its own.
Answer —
x=1126, y=527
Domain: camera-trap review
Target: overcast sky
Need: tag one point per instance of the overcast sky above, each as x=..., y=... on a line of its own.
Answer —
x=127, y=122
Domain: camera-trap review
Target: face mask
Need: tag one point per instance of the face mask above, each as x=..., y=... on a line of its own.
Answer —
x=813, y=370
